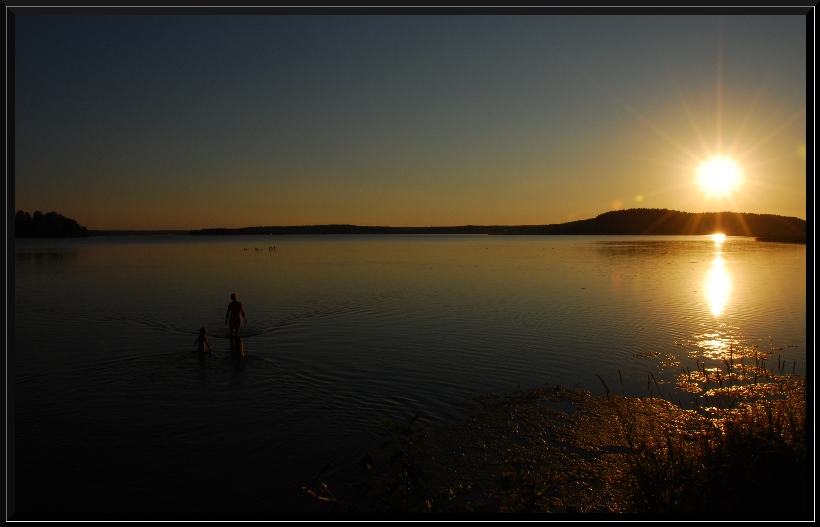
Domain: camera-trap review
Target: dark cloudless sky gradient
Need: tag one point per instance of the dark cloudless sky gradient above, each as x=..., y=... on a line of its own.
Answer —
x=194, y=121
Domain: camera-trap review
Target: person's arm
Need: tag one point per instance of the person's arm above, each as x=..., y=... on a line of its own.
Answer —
x=242, y=309
x=227, y=314
x=209, y=346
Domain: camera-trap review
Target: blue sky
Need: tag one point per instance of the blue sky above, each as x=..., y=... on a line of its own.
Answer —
x=195, y=121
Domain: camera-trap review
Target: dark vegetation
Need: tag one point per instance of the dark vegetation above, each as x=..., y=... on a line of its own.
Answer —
x=766, y=227
x=670, y=222
x=783, y=238
x=53, y=225
x=743, y=454
x=621, y=222
x=754, y=461
x=50, y=225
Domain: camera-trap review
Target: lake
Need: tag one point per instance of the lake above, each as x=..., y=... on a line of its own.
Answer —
x=115, y=411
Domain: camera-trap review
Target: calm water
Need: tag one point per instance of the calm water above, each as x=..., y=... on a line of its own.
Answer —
x=116, y=412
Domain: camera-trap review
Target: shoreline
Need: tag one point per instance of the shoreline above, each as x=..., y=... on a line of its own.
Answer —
x=783, y=238
x=575, y=448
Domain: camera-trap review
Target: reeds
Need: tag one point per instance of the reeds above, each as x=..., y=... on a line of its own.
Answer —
x=747, y=457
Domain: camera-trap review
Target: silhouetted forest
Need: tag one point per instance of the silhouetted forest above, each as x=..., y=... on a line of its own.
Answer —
x=619, y=222
x=50, y=225
x=672, y=222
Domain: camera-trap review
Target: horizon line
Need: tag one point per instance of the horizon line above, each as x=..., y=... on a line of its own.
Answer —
x=465, y=225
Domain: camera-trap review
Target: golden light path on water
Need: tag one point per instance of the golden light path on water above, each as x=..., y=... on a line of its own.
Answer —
x=718, y=281
x=722, y=340
x=717, y=290
x=742, y=369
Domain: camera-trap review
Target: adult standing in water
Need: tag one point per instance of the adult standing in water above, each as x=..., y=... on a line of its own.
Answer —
x=235, y=310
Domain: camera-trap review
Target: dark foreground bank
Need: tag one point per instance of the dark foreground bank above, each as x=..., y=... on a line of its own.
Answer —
x=560, y=450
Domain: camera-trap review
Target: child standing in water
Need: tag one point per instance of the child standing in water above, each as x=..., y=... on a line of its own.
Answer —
x=202, y=341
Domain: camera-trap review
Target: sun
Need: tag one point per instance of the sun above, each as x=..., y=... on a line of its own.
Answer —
x=719, y=176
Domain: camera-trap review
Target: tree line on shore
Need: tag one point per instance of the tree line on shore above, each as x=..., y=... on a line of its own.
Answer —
x=620, y=222
x=49, y=225
x=767, y=227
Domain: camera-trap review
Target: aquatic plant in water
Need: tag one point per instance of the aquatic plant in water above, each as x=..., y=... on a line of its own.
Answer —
x=754, y=448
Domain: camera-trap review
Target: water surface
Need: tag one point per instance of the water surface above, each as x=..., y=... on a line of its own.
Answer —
x=116, y=412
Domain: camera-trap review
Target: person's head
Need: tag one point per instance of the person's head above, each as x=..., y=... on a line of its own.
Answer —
x=233, y=297
x=203, y=331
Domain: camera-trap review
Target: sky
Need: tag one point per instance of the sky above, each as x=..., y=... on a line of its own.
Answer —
x=195, y=121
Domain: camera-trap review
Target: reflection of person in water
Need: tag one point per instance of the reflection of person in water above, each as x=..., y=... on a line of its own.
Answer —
x=202, y=341
x=238, y=347
x=235, y=310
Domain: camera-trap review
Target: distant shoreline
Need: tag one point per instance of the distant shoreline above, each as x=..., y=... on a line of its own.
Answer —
x=623, y=222
x=630, y=222
x=112, y=232
x=798, y=238
x=785, y=238
x=801, y=238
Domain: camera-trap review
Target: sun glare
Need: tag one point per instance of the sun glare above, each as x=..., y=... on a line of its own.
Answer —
x=719, y=176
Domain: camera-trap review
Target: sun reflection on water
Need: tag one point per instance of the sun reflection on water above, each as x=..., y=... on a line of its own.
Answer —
x=721, y=343
x=723, y=369
x=718, y=285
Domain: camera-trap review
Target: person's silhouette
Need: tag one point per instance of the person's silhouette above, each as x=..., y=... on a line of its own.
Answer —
x=202, y=341
x=235, y=311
